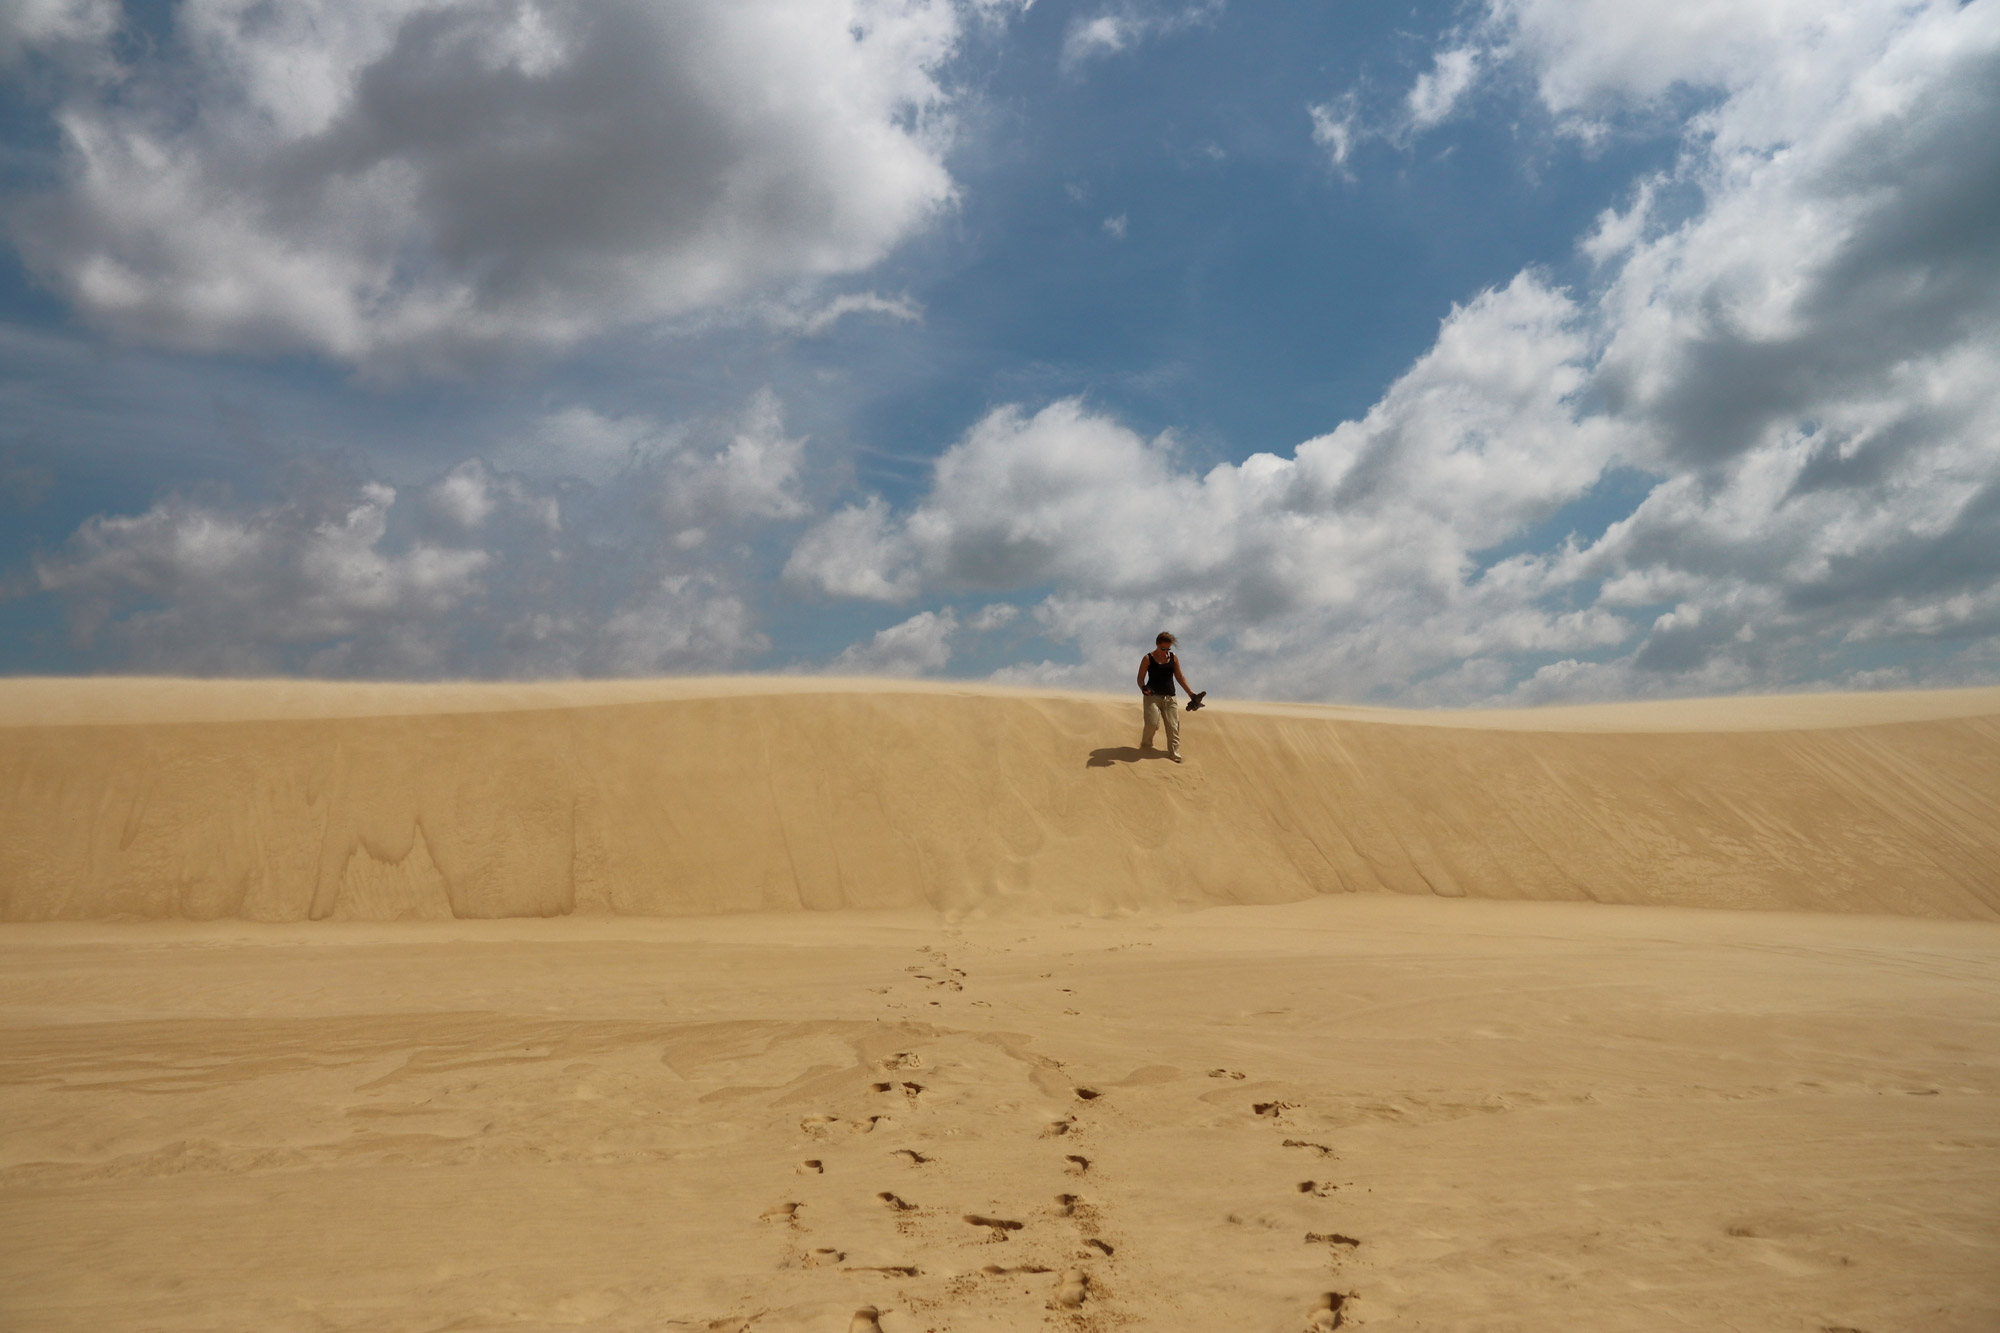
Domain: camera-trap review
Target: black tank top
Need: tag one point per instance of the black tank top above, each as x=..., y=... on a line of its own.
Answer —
x=1160, y=675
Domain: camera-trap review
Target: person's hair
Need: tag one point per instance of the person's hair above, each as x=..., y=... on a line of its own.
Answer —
x=1163, y=637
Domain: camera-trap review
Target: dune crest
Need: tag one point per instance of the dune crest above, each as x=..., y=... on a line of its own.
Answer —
x=295, y=800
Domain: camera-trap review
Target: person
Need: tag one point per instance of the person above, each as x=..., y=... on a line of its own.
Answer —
x=1158, y=670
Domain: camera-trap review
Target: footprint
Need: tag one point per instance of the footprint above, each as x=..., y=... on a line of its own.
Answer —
x=819, y=1126
x=910, y=1155
x=865, y=1126
x=1273, y=1109
x=1224, y=1073
x=1325, y=1313
x=1319, y=1149
x=1088, y=1094
x=820, y=1258
x=999, y=1226
x=880, y=1087
x=1319, y=1189
x=1057, y=1128
x=812, y=1166
x=781, y=1212
x=1098, y=1245
x=1066, y=1204
x=899, y=1270
x=902, y=1060
x=995, y=1270
x=1077, y=1165
x=867, y=1319
x=900, y=1205
x=1329, y=1238
x=912, y=1090
x=1072, y=1289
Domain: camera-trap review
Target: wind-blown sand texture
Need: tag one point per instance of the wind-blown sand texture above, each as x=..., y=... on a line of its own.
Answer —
x=288, y=801
x=1082, y=1086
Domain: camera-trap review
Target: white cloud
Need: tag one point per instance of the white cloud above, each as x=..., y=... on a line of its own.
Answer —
x=482, y=576
x=754, y=477
x=817, y=320
x=1117, y=30
x=916, y=646
x=1116, y=227
x=1336, y=128
x=1435, y=94
x=580, y=441
x=1102, y=35
x=65, y=29
x=992, y=616
x=1368, y=528
x=200, y=586
x=348, y=580
x=401, y=183
x=1803, y=364
x=855, y=553
x=685, y=623
x=1589, y=56
x=465, y=494
x=713, y=474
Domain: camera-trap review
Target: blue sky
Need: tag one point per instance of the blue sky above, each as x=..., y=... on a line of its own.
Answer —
x=1505, y=352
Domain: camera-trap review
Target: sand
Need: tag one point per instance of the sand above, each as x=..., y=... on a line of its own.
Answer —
x=1153, y=1051
x=288, y=801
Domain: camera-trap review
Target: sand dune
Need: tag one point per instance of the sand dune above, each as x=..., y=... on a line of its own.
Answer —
x=1325, y=1087
x=280, y=801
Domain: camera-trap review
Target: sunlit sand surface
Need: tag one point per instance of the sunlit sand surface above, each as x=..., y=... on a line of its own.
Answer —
x=287, y=801
x=1077, y=1078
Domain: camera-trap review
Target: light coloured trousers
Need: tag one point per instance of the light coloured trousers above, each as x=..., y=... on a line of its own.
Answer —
x=1162, y=711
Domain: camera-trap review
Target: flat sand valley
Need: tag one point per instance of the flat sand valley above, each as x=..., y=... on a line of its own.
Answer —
x=1468, y=1115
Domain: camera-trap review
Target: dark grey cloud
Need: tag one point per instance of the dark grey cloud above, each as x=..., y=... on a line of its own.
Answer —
x=400, y=185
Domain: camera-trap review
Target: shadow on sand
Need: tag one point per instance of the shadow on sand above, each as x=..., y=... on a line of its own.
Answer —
x=1120, y=754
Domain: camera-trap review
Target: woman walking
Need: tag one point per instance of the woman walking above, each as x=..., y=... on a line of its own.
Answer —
x=1158, y=670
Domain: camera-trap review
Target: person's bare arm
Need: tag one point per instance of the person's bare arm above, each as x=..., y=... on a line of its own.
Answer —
x=1142, y=674
x=1178, y=676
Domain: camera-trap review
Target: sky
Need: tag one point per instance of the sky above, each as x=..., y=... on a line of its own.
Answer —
x=1500, y=352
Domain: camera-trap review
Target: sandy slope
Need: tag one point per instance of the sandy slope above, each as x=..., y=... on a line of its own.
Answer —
x=284, y=801
x=1504, y=1117
x=1455, y=1114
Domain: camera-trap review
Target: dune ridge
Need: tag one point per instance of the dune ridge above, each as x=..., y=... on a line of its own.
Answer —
x=283, y=801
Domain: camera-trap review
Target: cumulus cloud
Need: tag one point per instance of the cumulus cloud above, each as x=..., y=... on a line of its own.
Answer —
x=397, y=182
x=1798, y=369
x=992, y=616
x=713, y=475
x=208, y=587
x=684, y=623
x=855, y=553
x=482, y=569
x=755, y=476
x=918, y=645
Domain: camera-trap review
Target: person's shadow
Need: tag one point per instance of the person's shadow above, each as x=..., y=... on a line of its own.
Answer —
x=1120, y=754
